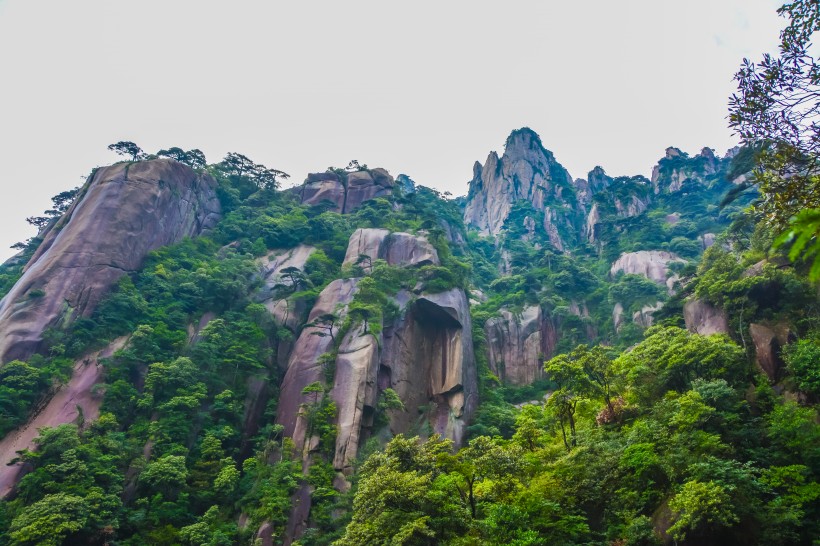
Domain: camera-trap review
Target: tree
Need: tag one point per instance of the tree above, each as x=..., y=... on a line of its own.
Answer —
x=48, y=521
x=324, y=324
x=127, y=149
x=295, y=277
x=777, y=109
x=701, y=507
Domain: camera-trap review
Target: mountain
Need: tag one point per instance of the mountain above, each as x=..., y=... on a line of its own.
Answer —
x=192, y=356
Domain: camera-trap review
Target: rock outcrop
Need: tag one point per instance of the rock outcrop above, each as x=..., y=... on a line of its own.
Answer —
x=518, y=344
x=345, y=191
x=75, y=402
x=304, y=367
x=526, y=172
x=276, y=293
x=428, y=360
x=652, y=264
x=768, y=342
x=124, y=211
x=704, y=318
x=394, y=248
x=671, y=172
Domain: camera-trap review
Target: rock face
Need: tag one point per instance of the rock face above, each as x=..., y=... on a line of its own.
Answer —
x=346, y=191
x=768, y=341
x=428, y=360
x=304, y=367
x=652, y=264
x=287, y=311
x=519, y=344
x=704, y=319
x=74, y=402
x=671, y=172
x=125, y=211
x=526, y=172
x=355, y=393
x=394, y=248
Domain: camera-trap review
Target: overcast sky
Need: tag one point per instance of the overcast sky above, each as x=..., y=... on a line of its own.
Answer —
x=423, y=87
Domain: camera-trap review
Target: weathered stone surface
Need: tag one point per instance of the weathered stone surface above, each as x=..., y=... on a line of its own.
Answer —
x=407, y=249
x=618, y=316
x=365, y=241
x=652, y=264
x=517, y=345
x=428, y=360
x=646, y=316
x=287, y=311
x=125, y=211
x=669, y=177
x=319, y=187
x=705, y=319
x=355, y=393
x=74, y=402
x=768, y=341
x=303, y=366
x=394, y=248
x=525, y=172
x=346, y=191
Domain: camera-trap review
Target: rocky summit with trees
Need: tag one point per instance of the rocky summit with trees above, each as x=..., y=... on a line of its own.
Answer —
x=191, y=354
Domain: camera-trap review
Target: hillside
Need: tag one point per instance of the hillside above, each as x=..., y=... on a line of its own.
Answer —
x=193, y=355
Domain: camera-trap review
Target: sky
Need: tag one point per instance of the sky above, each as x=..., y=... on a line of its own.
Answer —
x=424, y=88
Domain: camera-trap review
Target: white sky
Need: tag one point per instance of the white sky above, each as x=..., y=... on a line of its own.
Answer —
x=423, y=88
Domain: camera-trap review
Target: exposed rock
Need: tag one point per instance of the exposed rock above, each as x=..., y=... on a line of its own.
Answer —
x=74, y=402
x=618, y=316
x=652, y=264
x=346, y=191
x=525, y=172
x=517, y=345
x=676, y=168
x=593, y=219
x=365, y=242
x=428, y=360
x=287, y=311
x=768, y=342
x=645, y=317
x=125, y=211
x=303, y=365
x=319, y=187
x=673, y=218
x=706, y=240
x=705, y=319
x=407, y=249
x=264, y=535
x=405, y=184
x=634, y=206
x=355, y=393
x=394, y=248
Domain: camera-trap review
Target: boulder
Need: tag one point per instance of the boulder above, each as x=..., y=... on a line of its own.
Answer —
x=652, y=264
x=705, y=319
x=367, y=242
x=319, y=187
x=123, y=212
x=394, y=248
x=346, y=191
x=517, y=345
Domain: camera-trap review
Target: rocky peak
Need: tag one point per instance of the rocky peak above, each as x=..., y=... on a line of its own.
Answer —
x=526, y=172
x=345, y=190
x=124, y=211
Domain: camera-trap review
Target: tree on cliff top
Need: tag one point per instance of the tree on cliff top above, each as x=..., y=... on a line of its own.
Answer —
x=128, y=149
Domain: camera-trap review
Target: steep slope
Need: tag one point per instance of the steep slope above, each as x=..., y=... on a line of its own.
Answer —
x=124, y=211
